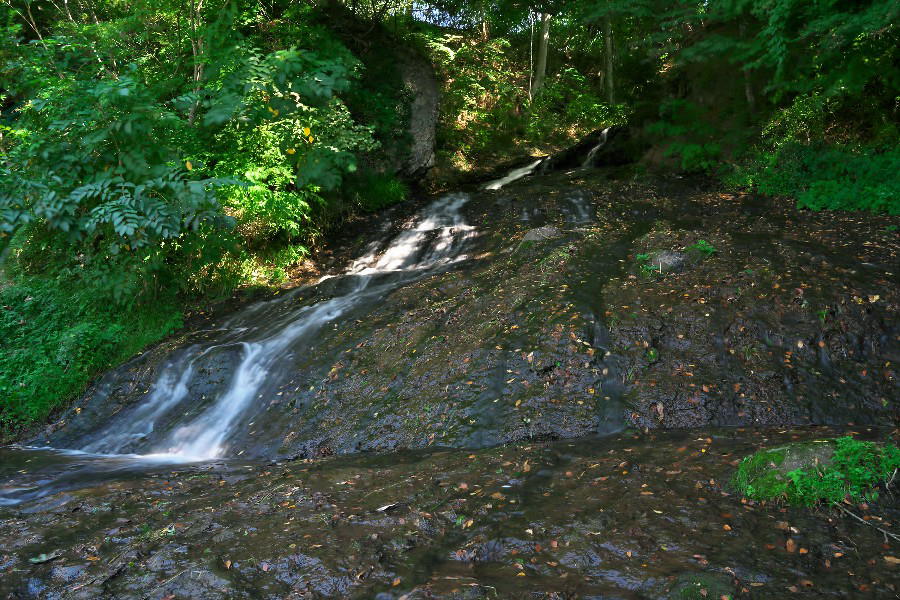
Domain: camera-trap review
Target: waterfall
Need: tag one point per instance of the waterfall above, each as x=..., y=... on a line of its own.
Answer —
x=589, y=159
x=265, y=332
x=514, y=175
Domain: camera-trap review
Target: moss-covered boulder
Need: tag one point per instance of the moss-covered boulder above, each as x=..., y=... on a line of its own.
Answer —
x=818, y=471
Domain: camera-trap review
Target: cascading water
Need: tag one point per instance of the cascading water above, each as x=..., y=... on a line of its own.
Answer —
x=515, y=175
x=435, y=240
x=589, y=159
x=203, y=402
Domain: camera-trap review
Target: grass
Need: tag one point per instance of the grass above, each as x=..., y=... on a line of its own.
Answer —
x=56, y=339
x=855, y=471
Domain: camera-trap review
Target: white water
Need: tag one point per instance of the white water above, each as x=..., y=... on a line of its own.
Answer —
x=589, y=159
x=266, y=332
x=514, y=175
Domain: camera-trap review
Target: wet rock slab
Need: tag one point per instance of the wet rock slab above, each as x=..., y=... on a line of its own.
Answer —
x=634, y=516
x=793, y=319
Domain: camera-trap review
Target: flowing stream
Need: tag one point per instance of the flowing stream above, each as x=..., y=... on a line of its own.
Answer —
x=436, y=240
x=264, y=333
x=175, y=426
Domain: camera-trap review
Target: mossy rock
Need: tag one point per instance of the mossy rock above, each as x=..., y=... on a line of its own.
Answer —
x=765, y=473
x=817, y=471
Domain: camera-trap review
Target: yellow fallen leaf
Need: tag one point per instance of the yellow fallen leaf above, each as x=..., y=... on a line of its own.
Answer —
x=189, y=166
x=290, y=151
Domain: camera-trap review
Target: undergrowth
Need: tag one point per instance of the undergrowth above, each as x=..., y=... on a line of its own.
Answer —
x=855, y=471
x=56, y=338
x=826, y=178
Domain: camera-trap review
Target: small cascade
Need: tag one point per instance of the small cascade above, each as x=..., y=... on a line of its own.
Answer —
x=264, y=333
x=589, y=159
x=514, y=175
x=567, y=159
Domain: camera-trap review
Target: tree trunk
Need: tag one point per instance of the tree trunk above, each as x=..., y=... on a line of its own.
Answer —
x=540, y=70
x=610, y=61
x=748, y=82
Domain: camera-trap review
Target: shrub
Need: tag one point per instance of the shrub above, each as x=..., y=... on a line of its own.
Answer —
x=372, y=191
x=796, y=158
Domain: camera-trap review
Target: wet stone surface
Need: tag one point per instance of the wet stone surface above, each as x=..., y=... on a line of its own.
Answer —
x=629, y=516
x=779, y=319
x=792, y=319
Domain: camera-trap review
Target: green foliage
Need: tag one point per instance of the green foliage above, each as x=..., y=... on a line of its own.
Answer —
x=854, y=471
x=703, y=247
x=56, y=338
x=826, y=178
x=687, y=136
x=486, y=108
x=373, y=191
x=251, y=137
x=79, y=163
x=647, y=268
x=796, y=158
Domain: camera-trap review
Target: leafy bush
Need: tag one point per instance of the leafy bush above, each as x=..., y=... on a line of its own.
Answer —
x=854, y=471
x=687, y=136
x=827, y=177
x=795, y=158
x=373, y=191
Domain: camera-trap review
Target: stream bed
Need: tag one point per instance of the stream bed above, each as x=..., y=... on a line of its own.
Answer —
x=540, y=390
x=628, y=516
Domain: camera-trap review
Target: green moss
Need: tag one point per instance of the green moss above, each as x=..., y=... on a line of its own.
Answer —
x=825, y=471
x=758, y=476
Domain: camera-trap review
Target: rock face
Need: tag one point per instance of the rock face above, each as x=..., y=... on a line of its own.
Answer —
x=540, y=234
x=793, y=320
x=418, y=77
